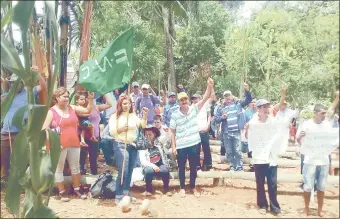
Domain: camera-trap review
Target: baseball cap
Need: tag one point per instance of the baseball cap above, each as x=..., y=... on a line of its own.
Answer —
x=135, y=83
x=182, y=95
x=171, y=94
x=146, y=86
x=228, y=92
x=197, y=96
x=319, y=107
x=261, y=102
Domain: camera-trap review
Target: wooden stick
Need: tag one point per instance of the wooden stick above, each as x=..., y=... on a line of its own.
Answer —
x=127, y=123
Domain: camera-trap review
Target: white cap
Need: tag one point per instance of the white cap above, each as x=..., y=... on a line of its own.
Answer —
x=145, y=86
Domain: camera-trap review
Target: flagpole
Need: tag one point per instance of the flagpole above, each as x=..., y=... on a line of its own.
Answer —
x=127, y=123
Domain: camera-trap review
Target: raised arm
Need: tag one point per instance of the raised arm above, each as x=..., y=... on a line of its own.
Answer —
x=331, y=110
x=107, y=105
x=284, y=88
x=207, y=93
x=248, y=98
x=81, y=110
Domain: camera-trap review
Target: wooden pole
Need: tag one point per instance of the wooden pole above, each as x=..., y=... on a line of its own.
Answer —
x=127, y=123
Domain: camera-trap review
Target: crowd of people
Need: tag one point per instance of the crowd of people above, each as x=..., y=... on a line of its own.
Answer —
x=179, y=128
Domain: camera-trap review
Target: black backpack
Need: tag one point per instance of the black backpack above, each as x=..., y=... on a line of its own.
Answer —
x=104, y=187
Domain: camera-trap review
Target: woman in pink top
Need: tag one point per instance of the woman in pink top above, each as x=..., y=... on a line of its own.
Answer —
x=63, y=118
x=93, y=147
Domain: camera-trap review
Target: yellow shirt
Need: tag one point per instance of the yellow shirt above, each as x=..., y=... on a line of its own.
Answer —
x=134, y=124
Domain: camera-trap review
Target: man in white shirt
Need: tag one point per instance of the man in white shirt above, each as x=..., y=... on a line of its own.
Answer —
x=315, y=169
x=203, y=121
x=264, y=166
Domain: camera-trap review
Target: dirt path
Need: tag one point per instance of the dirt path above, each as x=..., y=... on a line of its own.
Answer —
x=237, y=199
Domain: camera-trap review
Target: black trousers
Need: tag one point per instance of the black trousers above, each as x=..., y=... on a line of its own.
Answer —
x=92, y=150
x=189, y=153
x=206, y=151
x=261, y=172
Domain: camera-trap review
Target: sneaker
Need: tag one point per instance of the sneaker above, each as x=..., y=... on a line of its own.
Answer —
x=168, y=193
x=196, y=193
x=80, y=194
x=63, y=197
x=182, y=193
x=263, y=211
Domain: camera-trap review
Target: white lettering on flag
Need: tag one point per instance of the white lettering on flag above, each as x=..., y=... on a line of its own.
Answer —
x=121, y=59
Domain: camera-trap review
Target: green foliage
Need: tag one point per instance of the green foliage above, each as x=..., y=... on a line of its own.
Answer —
x=32, y=166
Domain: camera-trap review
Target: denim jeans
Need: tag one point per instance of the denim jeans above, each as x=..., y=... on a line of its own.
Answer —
x=232, y=146
x=222, y=151
x=189, y=153
x=315, y=175
x=107, y=147
x=206, y=150
x=149, y=173
x=91, y=150
x=261, y=172
x=130, y=163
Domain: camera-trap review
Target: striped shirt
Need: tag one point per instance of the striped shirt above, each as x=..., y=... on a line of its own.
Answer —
x=187, y=131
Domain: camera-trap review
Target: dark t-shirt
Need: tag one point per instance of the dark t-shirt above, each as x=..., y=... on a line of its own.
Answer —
x=155, y=156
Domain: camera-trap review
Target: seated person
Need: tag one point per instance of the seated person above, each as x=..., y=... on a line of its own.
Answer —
x=165, y=139
x=154, y=162
x=106, y=145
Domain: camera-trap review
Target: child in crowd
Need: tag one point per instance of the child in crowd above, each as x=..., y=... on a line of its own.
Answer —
x=84, y=123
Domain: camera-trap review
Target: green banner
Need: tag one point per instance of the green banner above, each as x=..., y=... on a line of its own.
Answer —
x=111, y=68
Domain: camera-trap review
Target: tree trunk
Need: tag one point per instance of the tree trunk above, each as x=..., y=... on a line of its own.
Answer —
x=64, y=22
x=169, y=53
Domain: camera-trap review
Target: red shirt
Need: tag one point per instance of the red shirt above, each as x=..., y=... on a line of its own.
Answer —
x=68, y=126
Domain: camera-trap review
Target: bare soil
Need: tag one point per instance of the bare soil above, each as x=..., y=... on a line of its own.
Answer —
x=236, y=199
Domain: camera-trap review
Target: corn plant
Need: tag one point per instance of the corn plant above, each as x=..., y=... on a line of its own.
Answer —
x=32, y=166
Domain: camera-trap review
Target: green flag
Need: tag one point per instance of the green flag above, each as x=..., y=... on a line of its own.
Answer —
x=111, y=68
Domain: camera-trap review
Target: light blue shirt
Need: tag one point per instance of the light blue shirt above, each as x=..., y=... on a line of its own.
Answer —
x=19, y=101
x=187, y=130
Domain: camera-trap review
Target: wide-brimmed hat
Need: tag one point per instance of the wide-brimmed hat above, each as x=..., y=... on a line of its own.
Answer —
x=153, y=129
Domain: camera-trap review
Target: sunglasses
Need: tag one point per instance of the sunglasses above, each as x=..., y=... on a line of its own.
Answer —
x=136, y=86
x=144, y=89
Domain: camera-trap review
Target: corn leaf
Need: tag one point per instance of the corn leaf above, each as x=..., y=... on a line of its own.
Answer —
x=19, y=162
x=10, y=58
x=54, y=141
x=19, y=117
x=39, y=113
x=7, y=18
x=6, y=104
x=50, y=14
x=22, y=13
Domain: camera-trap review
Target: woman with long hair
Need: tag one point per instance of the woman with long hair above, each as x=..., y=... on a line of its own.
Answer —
x=123, y=127
x=62, y=117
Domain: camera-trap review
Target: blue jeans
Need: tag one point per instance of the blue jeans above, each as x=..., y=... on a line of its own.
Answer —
x=149, y=173
x=232, y=146
x=130, y=162
x=315, y=175
x=107, y=147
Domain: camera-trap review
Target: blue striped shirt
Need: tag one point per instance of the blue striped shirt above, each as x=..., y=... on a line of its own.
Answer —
x=187, y=131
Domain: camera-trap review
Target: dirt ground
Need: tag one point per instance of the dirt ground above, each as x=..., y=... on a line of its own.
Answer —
x=236, y=199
